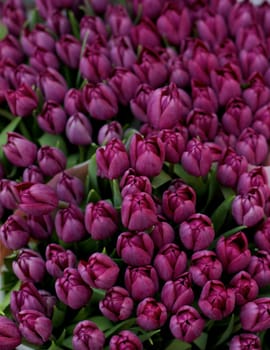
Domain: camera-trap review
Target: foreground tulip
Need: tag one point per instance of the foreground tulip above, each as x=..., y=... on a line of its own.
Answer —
x=245, y=287
x=57, y=259
x=187, y=324
x=245, y=341
x=125, y=339
x=130, y=183
x=216, y=301
x=14, y=232
x=22, y=101
x=87, y=336
x=51, y=160
x=151, y=314
x=10, y=336
x=254, y=315
x=259, y=268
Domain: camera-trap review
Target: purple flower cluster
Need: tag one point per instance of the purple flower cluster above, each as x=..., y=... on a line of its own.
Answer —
x=133, y=185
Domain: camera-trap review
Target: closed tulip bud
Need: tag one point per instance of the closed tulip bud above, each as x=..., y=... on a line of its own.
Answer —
x=248, y=209
x=10, y=335
x=241, y=15
x=179, y=204
x=138, y=211
x=247, y=38
x=49, y=302
x=68, y=49
x=170, y=262
x=131, y=183
x=73, y=102
x=162, y=233
x=245, y=287
x=41, y=60
x=72, y=290
x=118, y=19
x=13, y=16
x=37, y=199
x=87, y=335
x=197, y=232
x=174, y=24
x=146, y=155
x=233, y=252
x=101, y=220
x=253, y=61
x=204, y=97
x=33, y=174
x=40, y=37
x=259, y=268
x=70, y=188
x=79, y=129
x=245, y=341
x=57, y=21
x=225, y=140
x=212, y=29
x=262, y=236
x=117, y=304
x=51, y=160
x=52, y=118
x=135, y=249
x=11, y=48
x=100, y=101
x=167, y=106
x=22, y=101
x=29, y=266
x=237, y=116
x=40, y=227
x=141, y=282
x=57, y=259
x=187, y=324
x=177, y=293
x=255, y=316
x=110, y=131
x=261, y=122
x=255, y=177
x=202, y=124
x=139, y=103
x=230, y=167
x=34, y=326
x=91, y=28
x=145, y=34
x=178, y=73
x=196, y=159
x=216, y=301
x=100, y=271
x=53, y=86
x=257, y=93
x=7, y=195
x=124, y=339
x=19, y=151
x=14, y=232
x=227, y=52
x=253, y=146
x=151, y=314
x=124, y=83
x=122, y=52
x=150, y=68
x=69, y=224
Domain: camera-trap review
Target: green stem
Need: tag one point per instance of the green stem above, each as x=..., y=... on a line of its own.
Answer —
x=6, y=114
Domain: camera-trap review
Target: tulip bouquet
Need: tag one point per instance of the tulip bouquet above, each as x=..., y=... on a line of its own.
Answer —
x=134, y=186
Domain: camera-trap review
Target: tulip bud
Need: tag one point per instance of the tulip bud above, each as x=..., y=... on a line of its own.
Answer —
x=52, y=118
x=257, y=94
x=73, y=102
x=139, y=103
x=109, y=131
x=241, y=15
x=248, y=209
x=91, y=28
x=39, y=37
x=53, y=85
x=130, y=183
x=146, y=155
x=197, y=232
x=170, y=262
x=247, y=38
x=124, y=339
x=100, y=271
x=9, y=334
x=162, y=233
x=69, y=224
x=259, y=268
x=57, y=259
x=255, y=316
x=202, y=124
x=34, y=326
x=177, y=293
x=204, y=97
x=112, y=159
x=7, y=194
x=145, y=34
x=261, y=121
x=118, y=19
x=101, y=220
x=19, y=151
x=212, y=29
x=116, y=305
x=87, y=335
x=151, y=314
x=71, y=289
x=68, y=48
x=138, y=211
x=70, y=188
x=56, y=20
x=40, y=227
x=187, y=324
x=22, y=101
x=41, y=60
x=253, y=61
x=245, y=287
x=33, y=174
x=245, y=341
x=262, y=236
x=79, y=129
x=255, y=177
x=13, y=16
x=51, y=160
x=14, y=232
x=122, y=52
x=11, y=48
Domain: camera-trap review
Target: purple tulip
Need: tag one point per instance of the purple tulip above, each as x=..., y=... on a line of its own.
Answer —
x=125, y=339
x=99, y=6
x=87, y=336
x=41, y=60
x=216, y=301
x=7, y=194
x=52, y=85
x=254, y=315
x=177, y=293
x=257, y=94
x=56, y=20
x=245, y=287
x=151, y=314
x=162, y=233
x=187, y=324
x=70, y=188
x=145, y=34
x=122, y=52
x=178, y=73
x=19, y=151
x=212, y=29
x=40, y=227
x=13, y=16
x=39, y=37
x=259, y=268
x=10, y=48
x=71, y=289
x=51, y=160
x=248, y=37
x=10, y=336
x=204, y=97
x=34, y=326
x=112, y=159
x=245, y=341
x=100, y=271
x=241, y=15
x=253, y=61
x=14, y=232
x=138, y=211
x=131, y=183
x=73, y=102
x=57, y=259
x=262, y=236
x=101, y=220
x=139, y=103
x=22, y=101
x=52, y=118
x=91, y=28
x=118, y=19
x=79, y=129
x=110, y=131
x=261, y=122
x=117, y=304
x=135, y=249
x=68, y=49
x=202, y=124
x=141, y=282
x=33, y=174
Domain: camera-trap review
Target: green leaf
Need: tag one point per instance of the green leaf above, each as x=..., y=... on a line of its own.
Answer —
x=92, y=181
x=178, y=345
x=93, y=196
x=148, y=335
x=201, y=341
x=6, y=300
x=102, y=322
x=10, y=127
x=122, y=325
x=74, y=24
x=3, y=31
x=220, y=214
x=195, y=181
x=72, y=160
x=227, y=333
x=116, y=195
x=54, y=346
x=53, y=141
x=68, y=343
x=58, y=316
x=161, y=179
x=212, y=186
